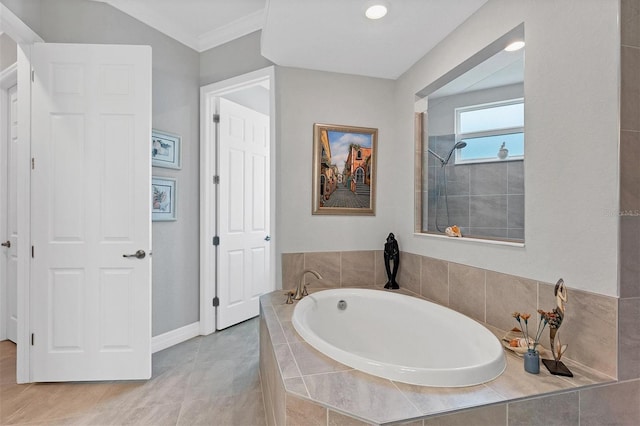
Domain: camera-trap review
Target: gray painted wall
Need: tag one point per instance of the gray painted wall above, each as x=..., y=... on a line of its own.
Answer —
x=175, y=109
x=306, y=97
x=8, y=51
x=231, y=59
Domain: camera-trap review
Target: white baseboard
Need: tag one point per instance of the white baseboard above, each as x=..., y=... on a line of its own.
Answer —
x=173, y=337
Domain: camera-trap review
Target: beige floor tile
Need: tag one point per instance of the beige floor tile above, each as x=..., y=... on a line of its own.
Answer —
x=223, y=378
x=7, y=362
x=40, y=402
x=206, y=380
x=244, y=409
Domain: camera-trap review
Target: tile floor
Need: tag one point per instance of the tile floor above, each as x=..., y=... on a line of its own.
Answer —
x=212, y=380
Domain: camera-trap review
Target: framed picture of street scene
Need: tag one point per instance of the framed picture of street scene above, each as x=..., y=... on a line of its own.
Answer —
x=344, y=169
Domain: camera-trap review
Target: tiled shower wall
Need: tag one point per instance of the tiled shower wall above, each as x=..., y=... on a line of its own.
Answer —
x=484, y=199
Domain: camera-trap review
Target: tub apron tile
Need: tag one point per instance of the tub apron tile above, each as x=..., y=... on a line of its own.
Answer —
x=430, y=400
x=365, y=396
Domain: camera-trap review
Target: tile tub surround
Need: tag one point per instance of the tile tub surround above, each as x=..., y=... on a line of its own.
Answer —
x=303, y=386
x=590, y=327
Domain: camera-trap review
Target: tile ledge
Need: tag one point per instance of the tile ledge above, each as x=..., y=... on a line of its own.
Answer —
x=471, y=240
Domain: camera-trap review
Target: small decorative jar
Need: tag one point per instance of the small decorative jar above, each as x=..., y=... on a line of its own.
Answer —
x=532, y=361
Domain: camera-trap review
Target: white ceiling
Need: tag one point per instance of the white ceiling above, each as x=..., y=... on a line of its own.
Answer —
x=329, y=35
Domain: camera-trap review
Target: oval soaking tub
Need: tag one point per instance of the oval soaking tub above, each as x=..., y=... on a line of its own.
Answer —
x=399, y=337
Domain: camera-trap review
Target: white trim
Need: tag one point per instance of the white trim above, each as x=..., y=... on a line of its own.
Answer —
x=208, y=99
x=207, y=210
x=231, y=31
x=174, y=337
x=23, y=364
x=9, y=76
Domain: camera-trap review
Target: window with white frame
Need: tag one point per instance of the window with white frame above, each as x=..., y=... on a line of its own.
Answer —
x=492, y=132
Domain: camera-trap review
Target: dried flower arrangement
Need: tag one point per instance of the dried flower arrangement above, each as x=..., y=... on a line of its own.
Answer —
x=524, y=318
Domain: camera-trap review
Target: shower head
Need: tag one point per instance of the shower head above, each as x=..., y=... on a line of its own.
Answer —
x=459, y=145
x=444, y=162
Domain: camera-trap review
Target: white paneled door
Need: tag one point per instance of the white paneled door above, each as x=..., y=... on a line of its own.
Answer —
x=10, y=244
x=90, y=202
x=244, y=254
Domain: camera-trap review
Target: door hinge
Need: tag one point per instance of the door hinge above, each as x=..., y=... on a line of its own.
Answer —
x=32, y=339
x=32, y=252
x=216, y=180
x=216, y=118
x=216, y=241
x=33, y=75
x=33, y=163
x=216, y=302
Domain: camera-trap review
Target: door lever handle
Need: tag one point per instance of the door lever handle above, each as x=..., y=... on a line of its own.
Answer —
x=267, y=238
x=140, y=254
x=7, y=244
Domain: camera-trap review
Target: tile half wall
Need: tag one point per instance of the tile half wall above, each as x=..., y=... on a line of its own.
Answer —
x=590, y=327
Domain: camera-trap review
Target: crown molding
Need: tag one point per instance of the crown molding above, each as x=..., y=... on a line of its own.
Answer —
x=149, y=16
x=231, y=31
x=197, y=42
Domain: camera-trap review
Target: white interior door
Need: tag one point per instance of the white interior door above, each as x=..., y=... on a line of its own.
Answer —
x=91, y=204
x=10, y=237
x=244, y=205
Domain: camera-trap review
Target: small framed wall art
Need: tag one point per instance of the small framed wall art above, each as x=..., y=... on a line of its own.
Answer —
x=163, y=192
x=166, y=150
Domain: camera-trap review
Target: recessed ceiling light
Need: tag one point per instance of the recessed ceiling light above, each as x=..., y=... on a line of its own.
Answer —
x=516, y=45
x=376, y=11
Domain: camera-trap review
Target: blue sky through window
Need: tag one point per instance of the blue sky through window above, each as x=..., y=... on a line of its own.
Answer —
x=486, y=127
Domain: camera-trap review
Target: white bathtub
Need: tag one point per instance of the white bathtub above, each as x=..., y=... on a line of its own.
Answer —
x=399, y=337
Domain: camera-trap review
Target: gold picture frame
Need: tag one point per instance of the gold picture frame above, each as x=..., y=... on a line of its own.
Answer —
x=344, y=169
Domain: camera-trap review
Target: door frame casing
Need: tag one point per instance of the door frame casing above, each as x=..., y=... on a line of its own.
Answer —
x=208, y=203
x=25, y=37
x=23, y=361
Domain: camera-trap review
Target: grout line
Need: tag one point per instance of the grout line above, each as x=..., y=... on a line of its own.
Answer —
x=579, y=407
x=407, y=398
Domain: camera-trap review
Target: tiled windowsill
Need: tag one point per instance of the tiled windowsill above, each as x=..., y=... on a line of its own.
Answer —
x=311, y=376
